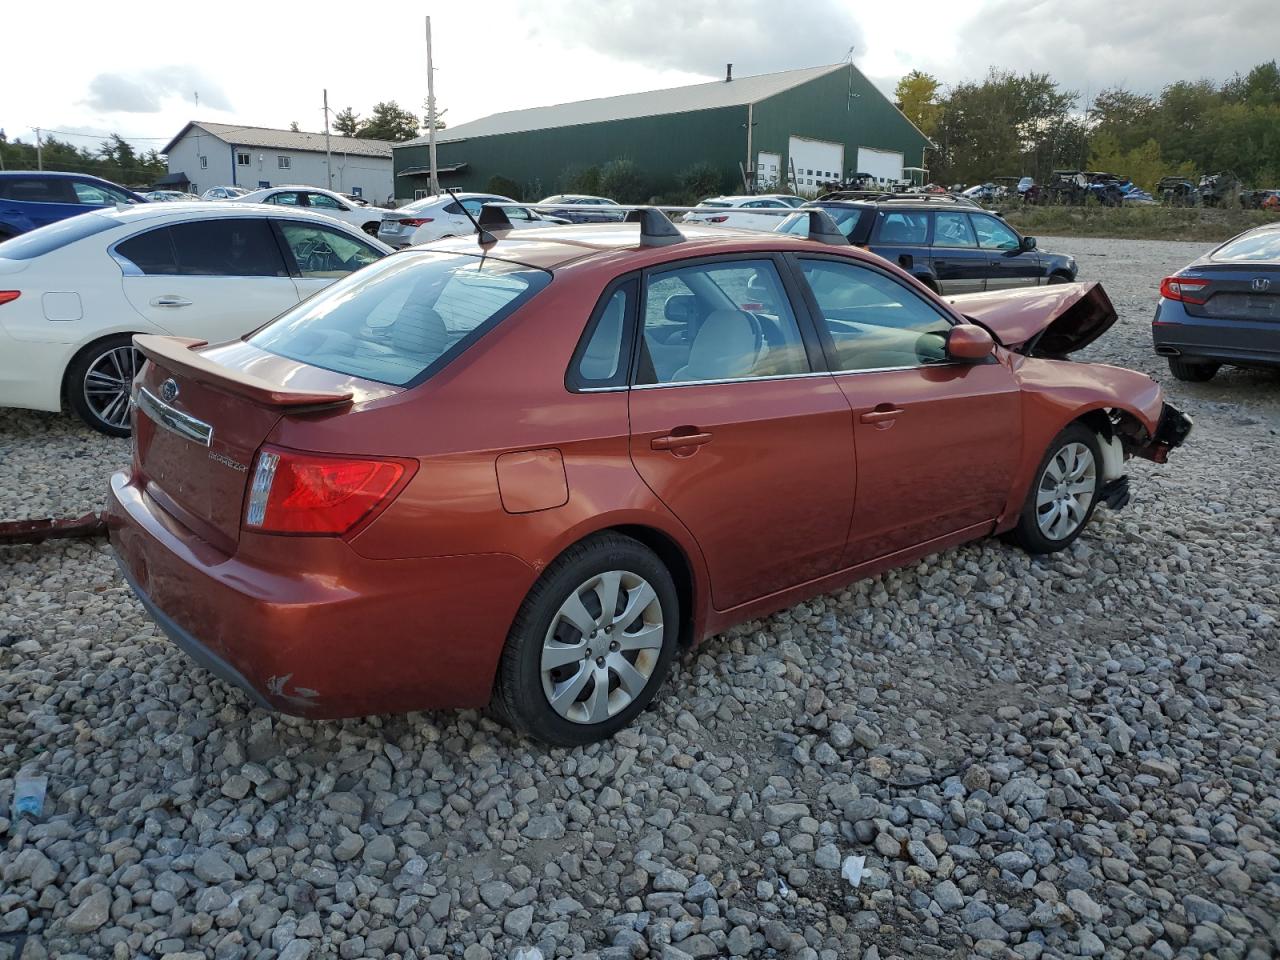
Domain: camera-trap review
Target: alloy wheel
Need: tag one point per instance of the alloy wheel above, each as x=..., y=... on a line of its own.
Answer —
x=602, y=647
x=107, y=385
x=1066, y=490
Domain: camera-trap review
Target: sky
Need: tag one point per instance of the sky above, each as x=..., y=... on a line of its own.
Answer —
x=268, y=66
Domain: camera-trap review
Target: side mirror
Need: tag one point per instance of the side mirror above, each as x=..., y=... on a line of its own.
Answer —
x=968, y=341
x=1028, y=243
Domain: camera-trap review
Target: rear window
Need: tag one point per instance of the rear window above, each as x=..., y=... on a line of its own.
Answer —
x=55, y=236
x=715, y=203
x=846, y=219
x=400, y=320
x=1251, y=247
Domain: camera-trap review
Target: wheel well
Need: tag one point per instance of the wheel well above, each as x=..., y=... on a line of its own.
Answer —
x=673, y=557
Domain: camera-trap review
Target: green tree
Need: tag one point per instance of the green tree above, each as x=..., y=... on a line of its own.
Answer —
x=579, y=179
x=389, y=121
x=620, y=180
x=505, y=187
x=917, y=96
x=346, y=122
x=699, y=181
x=1144, y=164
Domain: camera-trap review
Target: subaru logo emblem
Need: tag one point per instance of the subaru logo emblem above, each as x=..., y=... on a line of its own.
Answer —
x=1261, y=284
x=169, y=391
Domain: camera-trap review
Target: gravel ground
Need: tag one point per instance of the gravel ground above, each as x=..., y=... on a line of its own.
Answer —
x=1074, y=756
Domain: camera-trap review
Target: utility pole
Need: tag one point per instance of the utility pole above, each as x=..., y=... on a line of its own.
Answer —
x=434, y=185
x=328, y=168
x=39, y=151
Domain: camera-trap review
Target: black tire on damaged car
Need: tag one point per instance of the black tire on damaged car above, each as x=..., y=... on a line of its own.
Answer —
x=521, y=700
x=1029, y=533
x=1192, y=371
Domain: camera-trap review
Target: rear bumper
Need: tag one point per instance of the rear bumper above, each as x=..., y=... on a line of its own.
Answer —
x=312, y=628
x=31, y=372
x=1177, y=333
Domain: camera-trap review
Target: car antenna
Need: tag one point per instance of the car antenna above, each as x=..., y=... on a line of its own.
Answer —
x=485, y=237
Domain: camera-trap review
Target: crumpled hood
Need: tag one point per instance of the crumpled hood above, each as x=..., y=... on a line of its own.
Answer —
x=1047, y=321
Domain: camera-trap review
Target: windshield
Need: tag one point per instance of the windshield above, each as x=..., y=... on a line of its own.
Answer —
x=404, y=317
x=55, y=236
x=1261, y=246
x=715, y=203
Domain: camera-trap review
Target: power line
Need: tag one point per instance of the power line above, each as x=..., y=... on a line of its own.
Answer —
x=99, y=136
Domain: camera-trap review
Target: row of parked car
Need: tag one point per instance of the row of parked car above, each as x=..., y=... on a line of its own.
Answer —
x=74, y=292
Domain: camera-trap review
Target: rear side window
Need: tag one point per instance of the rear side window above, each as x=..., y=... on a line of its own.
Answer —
x=150, y=252
x=37, y=190
x=1251, y=247
x=403, y=318
x=236, y=247
x=903, y=226
x=55, y=236
x=599, y=360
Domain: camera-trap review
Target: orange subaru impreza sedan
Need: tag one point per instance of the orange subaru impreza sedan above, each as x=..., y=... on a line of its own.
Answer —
x=525, y=473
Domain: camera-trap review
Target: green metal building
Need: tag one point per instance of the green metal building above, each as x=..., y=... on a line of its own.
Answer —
x=788, y=131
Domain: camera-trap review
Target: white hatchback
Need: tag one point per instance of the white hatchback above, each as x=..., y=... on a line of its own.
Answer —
x=329, y=202
x=73, y=294
x=745, y=213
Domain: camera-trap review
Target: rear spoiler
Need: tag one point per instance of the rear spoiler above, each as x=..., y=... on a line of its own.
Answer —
x=179, y=354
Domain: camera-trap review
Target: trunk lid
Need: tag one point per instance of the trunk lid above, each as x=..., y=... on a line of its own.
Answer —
x=1050, y=321
x=1232, y=294
x=202, y=414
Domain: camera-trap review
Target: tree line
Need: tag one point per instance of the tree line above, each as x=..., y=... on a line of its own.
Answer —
x=1011, y=124
x=114, y=159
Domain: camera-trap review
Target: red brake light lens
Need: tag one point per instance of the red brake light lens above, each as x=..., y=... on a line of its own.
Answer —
x=415, y=221
x=1185, y=289
x=7, y=295
x=716, y=219
x=320, y=495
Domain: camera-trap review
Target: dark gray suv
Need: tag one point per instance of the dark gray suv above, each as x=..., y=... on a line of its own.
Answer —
x=951, y=247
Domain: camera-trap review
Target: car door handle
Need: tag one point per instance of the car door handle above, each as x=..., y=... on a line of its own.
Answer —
x=881, y=413
x=170, y=301
x=675, y=441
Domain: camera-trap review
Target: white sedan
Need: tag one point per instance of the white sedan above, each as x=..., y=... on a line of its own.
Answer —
x=329, y=202
x=73, y=294
x=445, y=215
x=742, y=212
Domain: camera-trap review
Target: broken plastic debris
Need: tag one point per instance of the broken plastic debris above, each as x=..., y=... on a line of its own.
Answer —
x=782, y=887
x=852, y=869
x=527, y=953
x=29, y=789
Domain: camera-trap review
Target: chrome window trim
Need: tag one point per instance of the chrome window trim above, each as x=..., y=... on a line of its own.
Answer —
x=172, y=419
x=778, y=376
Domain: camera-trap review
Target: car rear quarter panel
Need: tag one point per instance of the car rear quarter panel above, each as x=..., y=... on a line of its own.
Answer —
x=1057, y=392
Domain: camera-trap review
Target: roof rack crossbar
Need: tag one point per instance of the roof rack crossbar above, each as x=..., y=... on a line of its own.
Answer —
x=823, y=229
x=656, y=229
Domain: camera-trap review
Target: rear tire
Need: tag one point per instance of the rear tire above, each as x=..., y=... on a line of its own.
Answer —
x=99, y=383
x=567, y=684
x=1063, y=494
x=1191, y=372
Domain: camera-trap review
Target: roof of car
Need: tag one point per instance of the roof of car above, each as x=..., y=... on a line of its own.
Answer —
x=9, y=174
x=553, y=247
x=199, y=209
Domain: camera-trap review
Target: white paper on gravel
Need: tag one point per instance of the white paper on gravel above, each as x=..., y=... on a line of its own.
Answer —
x=852, y=868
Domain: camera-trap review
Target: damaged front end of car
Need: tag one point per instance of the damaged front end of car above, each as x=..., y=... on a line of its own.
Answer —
x=1171, y=430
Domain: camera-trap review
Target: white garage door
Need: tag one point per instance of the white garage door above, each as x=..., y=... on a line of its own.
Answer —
x=884, y=165
x=814, y=162
x=768, y=170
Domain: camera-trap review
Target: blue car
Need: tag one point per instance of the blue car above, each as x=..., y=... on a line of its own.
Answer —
x=1223, y=308
x=37, y=198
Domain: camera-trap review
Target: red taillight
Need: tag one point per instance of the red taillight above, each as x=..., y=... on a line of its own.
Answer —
x=415, y=221
x=7, y=295
x=1183, y=288
x=716, y=219
x=309, y=494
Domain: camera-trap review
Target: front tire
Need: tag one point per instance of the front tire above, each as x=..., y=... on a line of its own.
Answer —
x=1063, y=494
x=99, y=382
x=1191, y=372
x=591, y=644
x=371, y=229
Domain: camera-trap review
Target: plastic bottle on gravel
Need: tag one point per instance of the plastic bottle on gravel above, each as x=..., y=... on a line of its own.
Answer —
x=29, y=790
